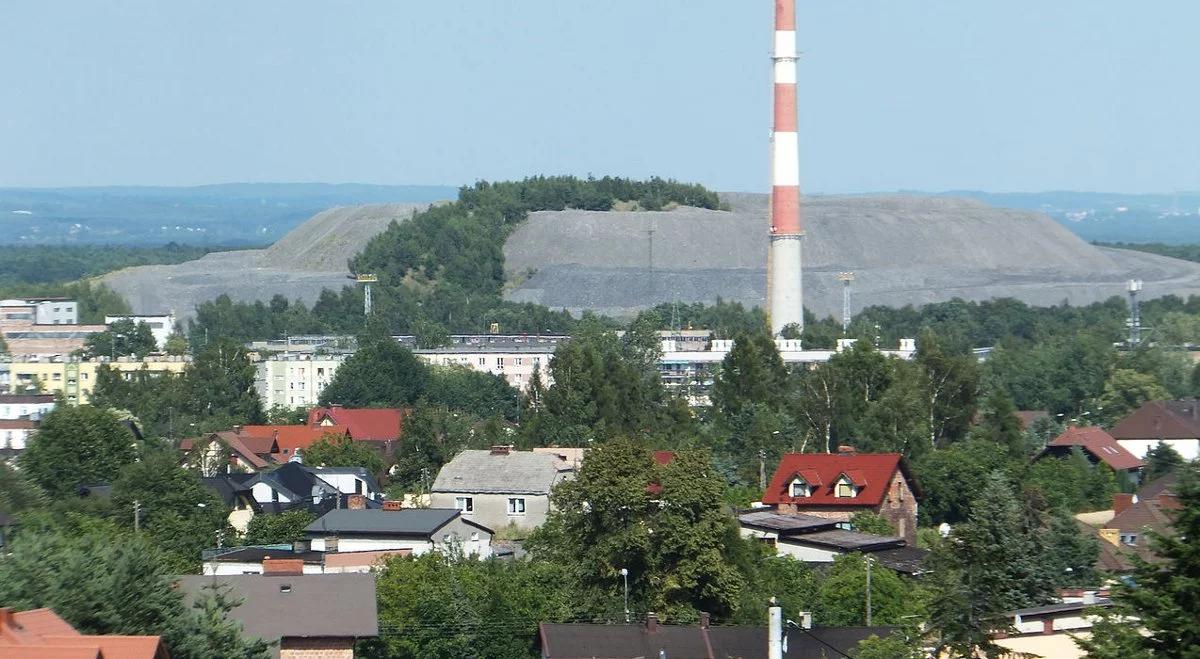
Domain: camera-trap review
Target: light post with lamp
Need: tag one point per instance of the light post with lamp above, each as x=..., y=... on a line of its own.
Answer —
x=625, y=577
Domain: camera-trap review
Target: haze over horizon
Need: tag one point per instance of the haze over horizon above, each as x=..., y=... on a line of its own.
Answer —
x=996, y=96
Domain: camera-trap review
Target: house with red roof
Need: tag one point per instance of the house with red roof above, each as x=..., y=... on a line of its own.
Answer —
x=837, y=485
x=42, y=634
x=289, y=439
x=365, y=424
x=230, y=451
x=1097, y=445
x=1173, y=422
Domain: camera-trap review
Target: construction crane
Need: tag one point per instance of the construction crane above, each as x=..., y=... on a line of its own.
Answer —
x=366, y=280
x=845, y=278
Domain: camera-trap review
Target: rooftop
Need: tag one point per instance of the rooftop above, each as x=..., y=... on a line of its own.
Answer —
x=870, y=473
x=501, y=471
x=414, y=522
x=1095, y=441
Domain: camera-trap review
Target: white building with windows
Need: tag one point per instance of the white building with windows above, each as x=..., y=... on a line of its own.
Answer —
x=513, y=357
x=295, y=380
x=500, y=487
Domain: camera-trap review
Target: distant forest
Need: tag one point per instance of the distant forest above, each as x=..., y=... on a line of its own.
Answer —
x=57, y=264
x=1185, y=252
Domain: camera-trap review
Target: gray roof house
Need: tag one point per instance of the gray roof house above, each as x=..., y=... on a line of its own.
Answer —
x=395, y=529
x=815, y=539
x=500, y=487
x=304, y=615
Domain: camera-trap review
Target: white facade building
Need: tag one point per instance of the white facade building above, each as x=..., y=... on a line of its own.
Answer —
x=295, y=380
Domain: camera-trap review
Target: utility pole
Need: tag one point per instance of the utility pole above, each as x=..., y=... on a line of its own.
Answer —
x=625, y=576
x=137, y=516
x=845, y=278
x=868, y=591
x=775, y=631
x=762, y=469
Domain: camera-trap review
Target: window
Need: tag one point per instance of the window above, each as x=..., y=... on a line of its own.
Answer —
x=475, y=536
x=517, y=360
x=799, y=488
x=358, y=486
x=275, y=495
x=844, y=489
x=483, y=361
x=1129, y=538
x=500, y=362
x=465, y=505
x=516, y=506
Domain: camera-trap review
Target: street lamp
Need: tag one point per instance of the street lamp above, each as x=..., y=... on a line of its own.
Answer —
x=625, y=577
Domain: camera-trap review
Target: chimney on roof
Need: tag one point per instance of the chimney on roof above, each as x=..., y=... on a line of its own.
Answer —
x=502, y=449
x=393, y=505
x=704, y=620
x=356, y=502
x=1122, y=502
x=651, y=623
x=283, y=567
x=806, y=620
x=237, y=430
x=847, y=450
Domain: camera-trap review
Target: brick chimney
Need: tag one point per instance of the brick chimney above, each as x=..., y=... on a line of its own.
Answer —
x=651, y=623
x=356, y=502
x=393, y=505
x=280, y=567
x=847, y=450
x=1122, y=502
x=502, y=449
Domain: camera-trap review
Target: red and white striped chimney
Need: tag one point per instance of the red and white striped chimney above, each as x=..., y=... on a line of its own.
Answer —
x=784, y=302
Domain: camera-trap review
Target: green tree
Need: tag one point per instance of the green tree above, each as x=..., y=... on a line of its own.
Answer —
x=484, y=395
x=177, y=344
x=174, y=507
x=752, y=373
x=949, y=383
x=898, y=645
x=452, y=607
x=988, y=566
x=283, y=528
x=1161, y=460
x=108, y=582
x=333, y=450
x=1125, y=391
x=432, y=436
x=1162, y=596
x=16, y=492
x=77, y=445
x=380, y=373
x=842, y=594
x=122, y=338
x=865, y=521
x=946, y=474
x=998, y=422
x=666, y=526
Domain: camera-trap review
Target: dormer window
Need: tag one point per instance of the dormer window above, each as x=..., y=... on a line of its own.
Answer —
x=844, y=489
x=800, y=489
x=849, y=484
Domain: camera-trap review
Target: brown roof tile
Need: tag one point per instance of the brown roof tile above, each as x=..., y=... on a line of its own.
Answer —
x=1161, y=419
x=1099, y=444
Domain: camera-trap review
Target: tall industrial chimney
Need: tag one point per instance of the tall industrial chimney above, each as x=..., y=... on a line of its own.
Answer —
x=785, y=305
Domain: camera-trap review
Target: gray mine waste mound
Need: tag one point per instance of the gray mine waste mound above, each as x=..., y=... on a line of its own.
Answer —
x=308, y=259
x=903, y=250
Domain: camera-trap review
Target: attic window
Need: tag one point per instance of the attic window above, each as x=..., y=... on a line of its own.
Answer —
x=801, y=488
x=285, y=588
x=844, y=489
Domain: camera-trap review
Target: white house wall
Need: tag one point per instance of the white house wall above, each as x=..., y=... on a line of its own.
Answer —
x=1188, y=448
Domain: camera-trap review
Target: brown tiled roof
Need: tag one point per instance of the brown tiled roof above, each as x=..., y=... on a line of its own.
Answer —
x=1098, y=443
x=42, y=634
x=26, y=399
x=1145, y=514
x=17, y=424
x=1162, y=485
x=1161, y=419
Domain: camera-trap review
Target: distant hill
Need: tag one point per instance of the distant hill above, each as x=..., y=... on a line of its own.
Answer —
x=903, y=249
x=228, y=214
x=1109, y=217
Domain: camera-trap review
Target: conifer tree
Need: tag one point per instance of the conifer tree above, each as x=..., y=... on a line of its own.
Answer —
x=1161, y=460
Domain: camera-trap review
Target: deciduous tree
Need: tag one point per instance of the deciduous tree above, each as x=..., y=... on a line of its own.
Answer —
x=77, y=445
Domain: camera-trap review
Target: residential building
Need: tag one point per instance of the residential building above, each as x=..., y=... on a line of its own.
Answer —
x=161, y=326
x=42, y=634
x=1122, y=531
x=230, y=451
x=1051, y=630
x=76, y=380
x=39, y=311
x=1098, y=446
x=48, y=341
x=294, y=380
x=418, y=530
x=15, y=435
x=513, y=357
x=306, y=616
x=236, y=496
x=384, y=424
x=260, y=559
x=702, y=641
x=819, y=540
x=1174, y=422
x=500, y=487
x=318, y=489
x=292, y=440
x=837, y=485
x=25, y=406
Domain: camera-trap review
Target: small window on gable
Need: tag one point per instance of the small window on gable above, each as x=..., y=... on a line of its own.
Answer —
x=844, y=489
x=800, y=488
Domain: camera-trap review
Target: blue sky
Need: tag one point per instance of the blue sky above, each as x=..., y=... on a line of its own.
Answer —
x=916, y=94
